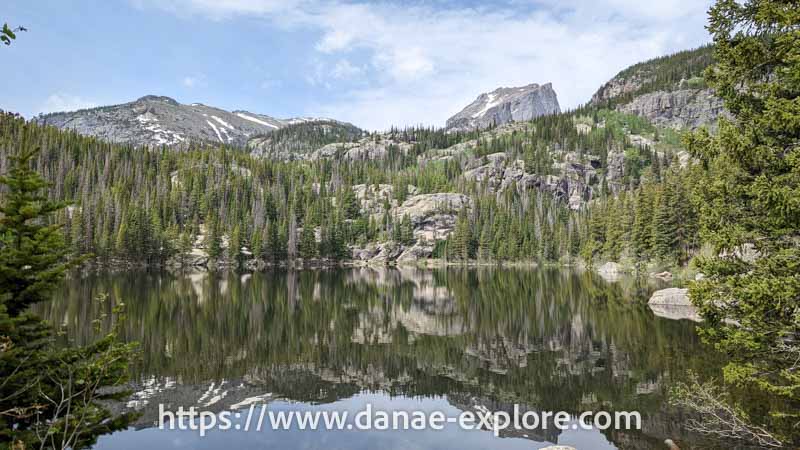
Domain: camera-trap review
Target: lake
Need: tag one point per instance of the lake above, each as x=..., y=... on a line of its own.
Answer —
x=449, y=340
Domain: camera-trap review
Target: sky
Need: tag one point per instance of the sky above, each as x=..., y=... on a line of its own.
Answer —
x=375, y=64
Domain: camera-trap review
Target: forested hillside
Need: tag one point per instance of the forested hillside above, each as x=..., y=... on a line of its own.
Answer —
x=592, y=182
x=680, y=70
x=669, y=91
x=302, y=138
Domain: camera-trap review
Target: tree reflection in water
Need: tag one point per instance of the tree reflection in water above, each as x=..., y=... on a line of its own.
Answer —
x=549, y=339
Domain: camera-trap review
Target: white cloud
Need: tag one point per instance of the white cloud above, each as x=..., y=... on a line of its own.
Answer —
x=343, y=70
x=65, y=102
x=653, y=11
x=316, y=74
x=424, y=61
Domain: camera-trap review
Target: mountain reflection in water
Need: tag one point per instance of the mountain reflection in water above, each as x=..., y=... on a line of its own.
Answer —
x=549, y=340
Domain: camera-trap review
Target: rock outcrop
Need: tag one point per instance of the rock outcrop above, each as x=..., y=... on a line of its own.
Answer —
x=681, y=109
x=644, y=90
x=368, y=148
x=432, y=216
x=503, y=105
x=497, y=173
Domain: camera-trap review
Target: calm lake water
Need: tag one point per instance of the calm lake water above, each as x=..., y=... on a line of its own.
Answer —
x=400, y=339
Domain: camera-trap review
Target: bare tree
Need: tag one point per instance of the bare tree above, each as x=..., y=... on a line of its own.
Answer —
x=718, y=418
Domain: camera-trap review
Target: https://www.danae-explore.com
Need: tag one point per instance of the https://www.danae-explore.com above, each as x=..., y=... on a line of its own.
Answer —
x=258, y=418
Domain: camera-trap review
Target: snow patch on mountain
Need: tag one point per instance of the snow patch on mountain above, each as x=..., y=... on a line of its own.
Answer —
x=253, y=119
x=503, y=105
x=222, y=122
x=214, y=127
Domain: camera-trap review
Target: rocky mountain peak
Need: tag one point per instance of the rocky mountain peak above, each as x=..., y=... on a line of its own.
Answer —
x=506, y=104
x=157, y=98
x=155, y=120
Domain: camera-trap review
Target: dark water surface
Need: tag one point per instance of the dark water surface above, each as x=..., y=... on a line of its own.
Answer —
x=400, y=339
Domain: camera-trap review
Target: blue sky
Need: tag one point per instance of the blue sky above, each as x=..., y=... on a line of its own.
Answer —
x=375, y=64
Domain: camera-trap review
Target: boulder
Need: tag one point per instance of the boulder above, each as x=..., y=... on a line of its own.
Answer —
x=700, y=276
x=673, y=303
x=610, y=271
x=663, y=276
x=380, y=253
x=416, y=252
x=365, y=253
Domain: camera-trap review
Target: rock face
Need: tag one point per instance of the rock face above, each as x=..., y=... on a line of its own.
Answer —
x=505, y=105
x=498, y=173
x=685, y=108
x=673, y=303
x=368, y=148
x=426, y=210
x=155, y=121
x=432, y=216
x=682, y=104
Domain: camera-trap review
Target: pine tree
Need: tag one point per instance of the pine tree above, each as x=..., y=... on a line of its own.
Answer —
x=485, y=245
x=612, y=247
x=461, y=239
x=350, y=204
x=406, y=231
x=35, y=373
x=751, y=195
x=256, y=242
x=308, y=242
x=213, y=241
x=664, y=227
x=235, y=249
x=32, y=252
x=642, y=231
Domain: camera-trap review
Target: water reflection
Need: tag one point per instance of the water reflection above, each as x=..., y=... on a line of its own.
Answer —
x=547, y=339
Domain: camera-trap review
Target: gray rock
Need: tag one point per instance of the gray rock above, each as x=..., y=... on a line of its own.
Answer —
x=686, y=103
x=673, y=303
x=664, y=276
x=505, y=105
x=416, y=252
x=377, y=253
x=572, y=184
x=681, y=109
x=610, y=271
x=433, y=216
x=368, y=148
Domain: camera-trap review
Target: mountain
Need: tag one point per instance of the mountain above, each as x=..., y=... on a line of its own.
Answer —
x=157, y=120
x=503, y=105
x=669, y=91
